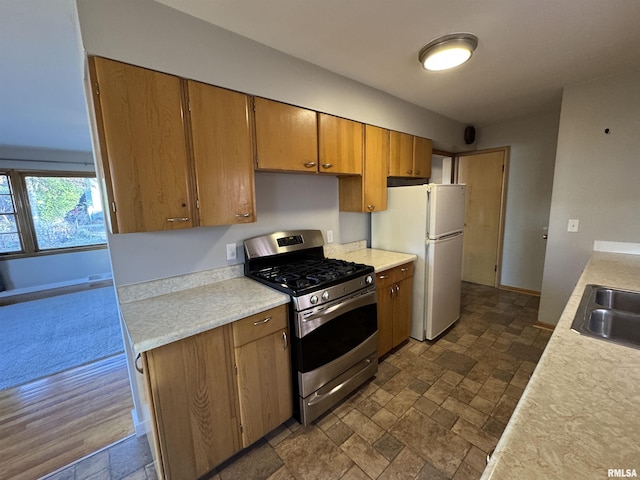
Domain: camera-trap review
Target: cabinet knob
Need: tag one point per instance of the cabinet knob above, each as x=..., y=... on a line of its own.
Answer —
x=178, y=219
x=243, y=215
x=417, y=172
x=371, y=207
x=327, y=165
x=409, y=172
x=310, y=164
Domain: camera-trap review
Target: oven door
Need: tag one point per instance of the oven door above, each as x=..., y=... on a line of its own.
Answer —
x=345, y=336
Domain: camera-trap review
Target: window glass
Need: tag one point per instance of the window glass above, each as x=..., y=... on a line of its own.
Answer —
x=66, y=211
x=9, y=237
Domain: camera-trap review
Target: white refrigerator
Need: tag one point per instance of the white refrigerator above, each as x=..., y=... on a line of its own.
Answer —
x=428, y=221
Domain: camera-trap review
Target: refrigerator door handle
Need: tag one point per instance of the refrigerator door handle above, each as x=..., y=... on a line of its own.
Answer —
x=445, y=238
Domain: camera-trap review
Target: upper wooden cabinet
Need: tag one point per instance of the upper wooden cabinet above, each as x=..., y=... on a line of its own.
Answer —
x=368, y=193
x=286, y=137
x=341, y=144
x=422, y=152
x=223, y=154
x=143, y=146
x=410, y=156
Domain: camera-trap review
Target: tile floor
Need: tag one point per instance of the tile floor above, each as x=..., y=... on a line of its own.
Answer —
x=433, y=411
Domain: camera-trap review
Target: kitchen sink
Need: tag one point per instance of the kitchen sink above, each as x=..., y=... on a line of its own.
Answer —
x=609, y=314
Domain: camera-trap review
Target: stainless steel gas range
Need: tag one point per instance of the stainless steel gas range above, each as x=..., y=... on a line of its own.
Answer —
x=333, y=316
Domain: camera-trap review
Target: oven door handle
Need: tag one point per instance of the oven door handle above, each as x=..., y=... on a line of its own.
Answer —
x=322, y=316
x=348, y=304
x=320, y=395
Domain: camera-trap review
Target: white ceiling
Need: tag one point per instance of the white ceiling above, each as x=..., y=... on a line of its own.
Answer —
x=528, y=49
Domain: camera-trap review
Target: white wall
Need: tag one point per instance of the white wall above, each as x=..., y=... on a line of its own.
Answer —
x=152, y=35
x=23, y=275
x=533, y=151
x=597, y=181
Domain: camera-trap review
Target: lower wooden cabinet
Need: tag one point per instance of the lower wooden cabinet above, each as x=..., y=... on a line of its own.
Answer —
x=395, y=300
x=212, y=394
x=263, y=363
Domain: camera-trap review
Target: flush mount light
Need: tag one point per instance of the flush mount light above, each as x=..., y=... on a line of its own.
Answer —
x=448, y=51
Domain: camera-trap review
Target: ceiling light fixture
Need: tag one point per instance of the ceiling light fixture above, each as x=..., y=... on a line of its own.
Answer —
x=448, y=51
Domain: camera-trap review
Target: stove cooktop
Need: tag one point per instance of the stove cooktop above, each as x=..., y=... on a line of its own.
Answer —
x=310, y=275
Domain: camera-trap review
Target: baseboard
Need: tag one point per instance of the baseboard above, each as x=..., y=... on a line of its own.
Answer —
x=141, y=427
x=52, y=292
x=535, y=293
x=544, y=326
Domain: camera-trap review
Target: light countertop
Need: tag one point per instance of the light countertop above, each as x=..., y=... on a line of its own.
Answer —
x=579, y=416
x=379, y=259
x=160, y=312
x=158, y=320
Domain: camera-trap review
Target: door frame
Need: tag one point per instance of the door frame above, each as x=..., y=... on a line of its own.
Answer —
x=503, y=202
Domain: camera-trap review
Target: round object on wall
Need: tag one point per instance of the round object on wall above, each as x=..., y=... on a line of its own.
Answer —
x=469, y=135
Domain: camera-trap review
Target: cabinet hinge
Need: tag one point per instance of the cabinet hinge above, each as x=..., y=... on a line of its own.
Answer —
x=113, y=207
x=253, y=104
x=97, y=88
x=235, y=367
x=189, y=105
x=241, y=429
x=495, y=268
x=198, y=203
x=503, y=168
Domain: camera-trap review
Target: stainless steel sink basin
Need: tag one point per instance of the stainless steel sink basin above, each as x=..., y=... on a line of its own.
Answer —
x=609, y=314
x=618, y=299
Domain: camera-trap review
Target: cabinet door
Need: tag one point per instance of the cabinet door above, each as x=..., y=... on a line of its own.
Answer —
x=376, y=166
x=385, y=290
x=403, y=307
x=422, y=151
x=264, y=385
x=368, y=193
x=286, y=137
x=194, y=394
x=401, y=154
x=223, y=154
x=143, y=147
x=341, y=143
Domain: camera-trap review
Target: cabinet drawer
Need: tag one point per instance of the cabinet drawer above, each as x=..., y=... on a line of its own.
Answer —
x=403, y=271
x=259, y=325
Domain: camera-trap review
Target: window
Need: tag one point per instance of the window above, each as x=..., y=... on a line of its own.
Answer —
x=46, y=212
x=9, y=237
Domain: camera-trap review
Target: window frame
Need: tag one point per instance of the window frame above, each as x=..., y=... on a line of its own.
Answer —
x=24, y=217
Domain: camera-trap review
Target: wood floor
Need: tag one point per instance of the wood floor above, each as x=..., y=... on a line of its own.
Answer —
x=55, y=421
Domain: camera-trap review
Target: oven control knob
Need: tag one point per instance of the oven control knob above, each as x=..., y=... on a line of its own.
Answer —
x=368, y=280
x=325, y=295
x=313, y=300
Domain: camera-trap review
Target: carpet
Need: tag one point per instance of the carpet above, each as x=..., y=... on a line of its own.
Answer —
x=47, y=336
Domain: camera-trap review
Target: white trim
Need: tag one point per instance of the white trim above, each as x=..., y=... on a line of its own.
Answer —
x=616, y=247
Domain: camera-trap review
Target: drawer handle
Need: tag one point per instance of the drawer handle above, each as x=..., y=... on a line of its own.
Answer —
x=138, y=367
x=327, y=165
x=260, y=322
x=285, y=340
x=371, y=207
x=243, y=215
x=382, y=277
x=409, y=172
x=417, y=172
x=178, y=219
x=310, y=164
x=404, y=269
